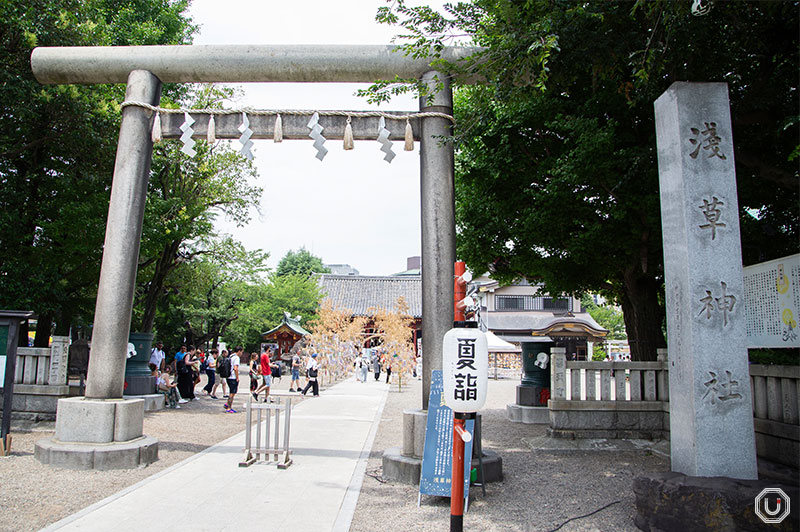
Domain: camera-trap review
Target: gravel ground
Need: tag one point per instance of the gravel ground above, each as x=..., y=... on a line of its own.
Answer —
x=540, y=490
x=33, y=495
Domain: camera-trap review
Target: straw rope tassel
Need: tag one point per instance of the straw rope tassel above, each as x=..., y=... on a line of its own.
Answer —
x=211, y=136
x=155, y=135
x=278, y=135
x=409, y=137
x=348, y=136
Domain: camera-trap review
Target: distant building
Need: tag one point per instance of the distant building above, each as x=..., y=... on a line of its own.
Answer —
x=360, y=293
x=341, y=269
x=287, y=333
x=522, y=312
x=413, y=267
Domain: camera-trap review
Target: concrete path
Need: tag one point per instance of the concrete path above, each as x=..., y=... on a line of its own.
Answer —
x=331, y=438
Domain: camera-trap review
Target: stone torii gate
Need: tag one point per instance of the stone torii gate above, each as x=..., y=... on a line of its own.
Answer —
x=103, y=417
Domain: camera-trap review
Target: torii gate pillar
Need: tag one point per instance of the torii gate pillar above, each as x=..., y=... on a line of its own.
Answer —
x=437, y=198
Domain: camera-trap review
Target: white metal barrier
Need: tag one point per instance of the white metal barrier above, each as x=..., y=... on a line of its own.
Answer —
x=283, y=403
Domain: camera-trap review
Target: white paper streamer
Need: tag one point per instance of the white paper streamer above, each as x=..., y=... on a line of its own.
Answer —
x=383, y=139
x=316, y=134
x=186, y=136
x=246, y=132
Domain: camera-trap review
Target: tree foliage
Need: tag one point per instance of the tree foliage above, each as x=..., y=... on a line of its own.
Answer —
x=393, y=328
x=185, y=195
x=300, y=262
x=206, y=295
x=556, y=172
x=57, y=146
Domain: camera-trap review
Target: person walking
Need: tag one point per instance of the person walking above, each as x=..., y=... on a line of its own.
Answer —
x=376, y=365
x=222, y=360
x=363, y=366
x=312, y=372
x=233, y=380
x=266, y=375
x=211, y=372
x=254, y=372
x=388, y=370
x=295, y=373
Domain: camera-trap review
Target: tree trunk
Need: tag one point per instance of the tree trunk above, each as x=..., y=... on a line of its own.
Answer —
x=643, y=316
x=166, y=263
x=44, y=326
x=63, y=324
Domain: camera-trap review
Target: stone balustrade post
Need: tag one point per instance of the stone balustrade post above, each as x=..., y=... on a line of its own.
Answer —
x=558, y=373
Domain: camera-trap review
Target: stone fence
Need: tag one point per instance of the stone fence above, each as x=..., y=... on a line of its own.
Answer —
x=40, y=380
x=776, y=412
x=631, y=400
x=608, y=399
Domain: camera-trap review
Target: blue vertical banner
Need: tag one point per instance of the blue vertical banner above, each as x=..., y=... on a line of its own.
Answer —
x=437, y=458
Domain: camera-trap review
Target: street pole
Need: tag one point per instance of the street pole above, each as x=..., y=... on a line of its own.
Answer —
x=460, y=436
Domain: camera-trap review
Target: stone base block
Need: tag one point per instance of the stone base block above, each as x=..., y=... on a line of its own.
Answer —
x=118, y=455
x=140, y=384
x=85, y=420
x=128, y=419
x=674, y=501
x=406, y=469
x=414, y=424
x=530, y=415
x=531, y=395
x=152, y=402
x=81, y=420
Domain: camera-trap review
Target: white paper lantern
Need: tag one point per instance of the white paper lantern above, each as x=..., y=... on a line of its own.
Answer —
x=465, y=369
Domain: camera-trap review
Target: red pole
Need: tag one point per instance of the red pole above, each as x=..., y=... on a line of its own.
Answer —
x=457, y=480
x=459, y=290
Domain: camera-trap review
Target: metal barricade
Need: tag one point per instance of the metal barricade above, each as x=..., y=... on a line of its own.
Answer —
x=253, y=453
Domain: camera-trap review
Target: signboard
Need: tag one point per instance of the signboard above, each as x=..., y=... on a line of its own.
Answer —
x=437, y=458
x=465, y=367
x=772, y=302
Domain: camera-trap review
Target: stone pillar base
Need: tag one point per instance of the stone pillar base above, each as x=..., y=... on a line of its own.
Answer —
x=674, y=501
x=98, y=434
x=404, y=464
x=140, y=384
x=530, y=415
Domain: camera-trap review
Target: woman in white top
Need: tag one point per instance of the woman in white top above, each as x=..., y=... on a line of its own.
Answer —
x=312, y=371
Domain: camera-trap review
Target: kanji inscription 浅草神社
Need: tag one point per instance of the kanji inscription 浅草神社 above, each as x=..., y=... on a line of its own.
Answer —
x=711, y=419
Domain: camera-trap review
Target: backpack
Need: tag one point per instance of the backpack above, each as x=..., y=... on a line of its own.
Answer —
x=225, y=367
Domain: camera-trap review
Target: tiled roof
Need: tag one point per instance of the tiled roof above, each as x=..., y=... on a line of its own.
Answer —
x=360, y=292
x=533, y=320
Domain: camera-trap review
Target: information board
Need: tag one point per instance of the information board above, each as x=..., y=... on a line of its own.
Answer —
x=437, y=458
x=772, y=303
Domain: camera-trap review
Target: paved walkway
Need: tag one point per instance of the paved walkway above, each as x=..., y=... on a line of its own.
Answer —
x=331, y=438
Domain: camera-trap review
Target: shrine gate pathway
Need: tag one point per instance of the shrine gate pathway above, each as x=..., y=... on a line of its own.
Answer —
x=331, y=438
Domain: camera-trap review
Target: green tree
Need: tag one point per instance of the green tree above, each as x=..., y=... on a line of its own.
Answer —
x=300, y=262
x=185, y=196
x=608, y=317
x=210, y=291
x=556, y=172
x=297, y=294
x=57, y=146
